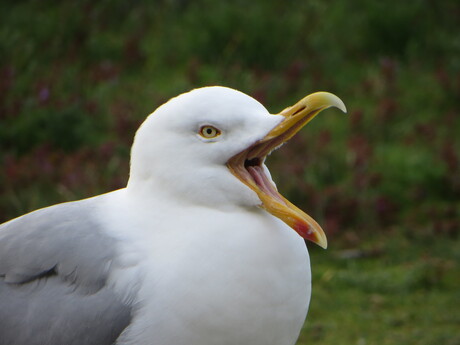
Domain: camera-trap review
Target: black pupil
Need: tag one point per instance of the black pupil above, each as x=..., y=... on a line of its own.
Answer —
x=209, y=131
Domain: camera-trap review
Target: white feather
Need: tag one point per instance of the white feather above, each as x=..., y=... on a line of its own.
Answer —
x=202, y=262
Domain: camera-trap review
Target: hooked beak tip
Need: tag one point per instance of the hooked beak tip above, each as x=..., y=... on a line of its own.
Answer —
x=323, y=100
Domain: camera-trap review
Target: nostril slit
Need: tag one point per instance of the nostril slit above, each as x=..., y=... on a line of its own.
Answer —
x=299, y=110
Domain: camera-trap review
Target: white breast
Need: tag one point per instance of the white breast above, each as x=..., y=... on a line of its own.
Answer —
x=213, y=277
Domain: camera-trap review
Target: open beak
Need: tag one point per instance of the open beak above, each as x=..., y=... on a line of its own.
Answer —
x=247, y=165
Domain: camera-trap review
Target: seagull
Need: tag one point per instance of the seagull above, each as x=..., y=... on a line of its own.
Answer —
x=198, y=249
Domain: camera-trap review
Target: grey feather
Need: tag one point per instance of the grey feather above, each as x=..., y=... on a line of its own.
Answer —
x=65, y=238
x=48, y=312
x=54, y=264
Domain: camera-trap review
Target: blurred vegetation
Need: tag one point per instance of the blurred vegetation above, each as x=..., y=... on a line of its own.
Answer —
x=392, y=291
x=77, y=79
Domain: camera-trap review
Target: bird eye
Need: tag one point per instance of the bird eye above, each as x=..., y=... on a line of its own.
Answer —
x=209, y=132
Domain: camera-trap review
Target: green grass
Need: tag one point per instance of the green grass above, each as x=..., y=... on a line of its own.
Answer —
x=404, y=292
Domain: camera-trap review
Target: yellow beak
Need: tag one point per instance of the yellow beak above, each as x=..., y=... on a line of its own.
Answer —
x=246, y=165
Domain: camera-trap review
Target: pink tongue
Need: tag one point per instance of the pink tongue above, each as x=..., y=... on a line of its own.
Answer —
x=261, y=180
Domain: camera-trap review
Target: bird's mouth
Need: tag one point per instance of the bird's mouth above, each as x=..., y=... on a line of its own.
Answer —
x=248, y=164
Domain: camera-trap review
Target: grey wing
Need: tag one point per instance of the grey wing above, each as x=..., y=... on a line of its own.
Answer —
x=54, y=265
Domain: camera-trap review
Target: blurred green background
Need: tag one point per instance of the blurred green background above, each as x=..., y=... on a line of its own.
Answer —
x=77, y=78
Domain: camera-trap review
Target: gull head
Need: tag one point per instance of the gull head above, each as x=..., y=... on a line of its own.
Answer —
x=208, y=147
